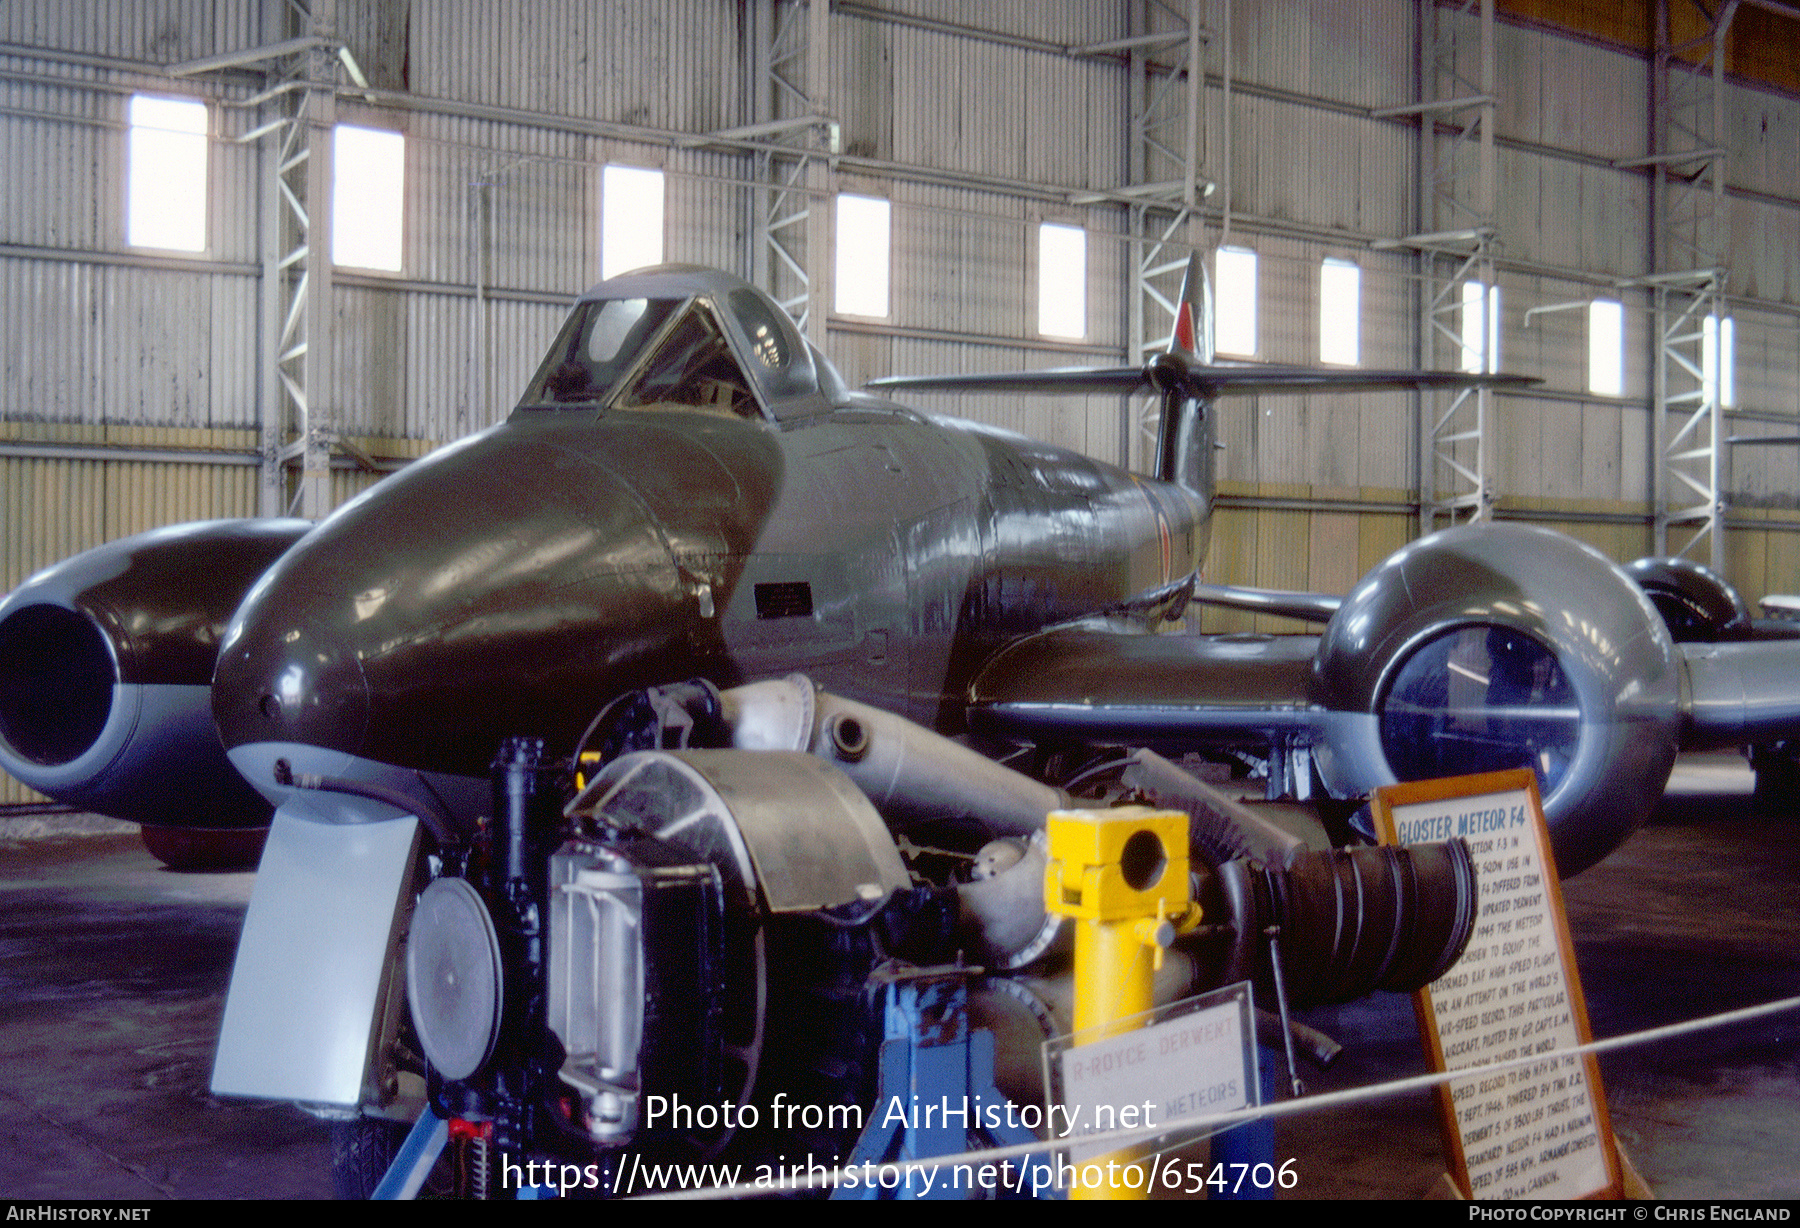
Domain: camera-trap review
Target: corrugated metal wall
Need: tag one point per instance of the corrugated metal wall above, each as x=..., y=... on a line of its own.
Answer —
x=978, y=127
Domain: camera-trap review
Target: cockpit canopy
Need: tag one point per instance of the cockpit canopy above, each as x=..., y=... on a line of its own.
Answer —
x=677, y=336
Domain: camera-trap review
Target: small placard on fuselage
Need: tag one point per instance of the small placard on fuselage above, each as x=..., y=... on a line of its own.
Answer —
x=789, y=599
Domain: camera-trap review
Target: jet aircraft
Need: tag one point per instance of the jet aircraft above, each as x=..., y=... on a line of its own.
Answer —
x=692, y=535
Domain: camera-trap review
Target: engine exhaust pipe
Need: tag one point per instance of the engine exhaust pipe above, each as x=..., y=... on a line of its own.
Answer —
x=911, y=774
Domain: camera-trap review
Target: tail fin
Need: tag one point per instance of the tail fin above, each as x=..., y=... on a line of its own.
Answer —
x=1193, y=337
x=1184, y=436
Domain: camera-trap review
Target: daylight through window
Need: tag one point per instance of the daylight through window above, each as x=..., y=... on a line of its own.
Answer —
x=1340, y=313
x=1606, y=348
x=165, y=177
x=367, y=197
x=1234, y=314
x=1479, y=324
x=1062, y=281
x=631, y=219
x=860, y=287
x=1718, y=359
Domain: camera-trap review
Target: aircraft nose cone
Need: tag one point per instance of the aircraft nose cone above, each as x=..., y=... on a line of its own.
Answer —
x=287, y=679
x=509, y=585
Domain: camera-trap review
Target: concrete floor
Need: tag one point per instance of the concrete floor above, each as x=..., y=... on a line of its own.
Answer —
x=113, y=972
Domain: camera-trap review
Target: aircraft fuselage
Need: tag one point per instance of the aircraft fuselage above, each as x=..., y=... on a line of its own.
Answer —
x=518, y=581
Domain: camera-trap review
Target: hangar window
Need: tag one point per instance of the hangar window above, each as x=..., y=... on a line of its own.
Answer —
x=860, y=284
x=1062, y=281
x=1340, y=313
x=165, y=174
x=1234, y=316
x=1606, y=348
x=1718, y=360
x=369, y=172
x=1480, y=327
x=631, y=219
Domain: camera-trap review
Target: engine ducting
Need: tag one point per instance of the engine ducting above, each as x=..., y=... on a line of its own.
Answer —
x=1348, y=921
x=1504, y=646
x=106, y=664
x=911, y=774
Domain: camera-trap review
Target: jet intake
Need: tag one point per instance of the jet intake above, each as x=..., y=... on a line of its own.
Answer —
x=1500, y=646
x=56, y=684
x=106, y=666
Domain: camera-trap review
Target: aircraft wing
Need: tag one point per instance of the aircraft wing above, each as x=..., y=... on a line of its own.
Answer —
x=1307, y=607
x=1229, y=378
x=1075, y=381
x=1742, y=693
x=1164, y=691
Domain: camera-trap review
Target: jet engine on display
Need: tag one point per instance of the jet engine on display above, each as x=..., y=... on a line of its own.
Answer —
x=612, y=750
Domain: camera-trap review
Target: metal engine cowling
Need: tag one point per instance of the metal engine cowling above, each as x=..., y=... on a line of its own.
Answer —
x=106, y=664
x=1502, y=646
x=1695, y=602
x=665, y=919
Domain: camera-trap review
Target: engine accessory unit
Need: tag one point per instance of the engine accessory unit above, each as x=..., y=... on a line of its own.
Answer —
x=454, y=981
x=636, y=998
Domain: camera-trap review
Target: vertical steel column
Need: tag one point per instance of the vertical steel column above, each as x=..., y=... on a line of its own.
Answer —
x=274, y=120
x=296, y=114
x=316, y=427
x=296, y=265
x=789, y=50
x=1691, y=243
x=1455, y=101
x=1687, y=417
x=1166, y=145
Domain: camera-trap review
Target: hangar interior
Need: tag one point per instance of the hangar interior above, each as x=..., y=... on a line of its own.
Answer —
x=1560, y=154
x=1600, y=197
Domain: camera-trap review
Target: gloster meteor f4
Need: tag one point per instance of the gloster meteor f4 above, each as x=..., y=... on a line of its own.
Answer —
x=798, y=635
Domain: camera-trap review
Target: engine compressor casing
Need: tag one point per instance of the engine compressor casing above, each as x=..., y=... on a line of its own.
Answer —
x=1500, y=646
x=700, y=872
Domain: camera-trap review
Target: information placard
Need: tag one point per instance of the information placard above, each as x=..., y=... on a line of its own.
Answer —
x=1539, y=1129
x=1188, y=1058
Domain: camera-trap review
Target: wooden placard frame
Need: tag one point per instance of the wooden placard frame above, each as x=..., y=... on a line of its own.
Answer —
x=1523, y=832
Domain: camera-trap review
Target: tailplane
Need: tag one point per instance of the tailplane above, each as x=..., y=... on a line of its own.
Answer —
x=1187, y=377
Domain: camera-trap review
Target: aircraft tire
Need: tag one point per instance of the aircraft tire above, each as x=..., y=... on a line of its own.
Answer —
x=205, y=848
x=1777, y=779
x=361, y=1153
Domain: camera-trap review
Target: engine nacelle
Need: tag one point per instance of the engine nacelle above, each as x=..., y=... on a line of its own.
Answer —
x=106, y=664
x=1504, y=646
x=1695, y=602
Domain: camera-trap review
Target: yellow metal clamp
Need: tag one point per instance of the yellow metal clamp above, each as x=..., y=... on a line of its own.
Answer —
x=1122, y=875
